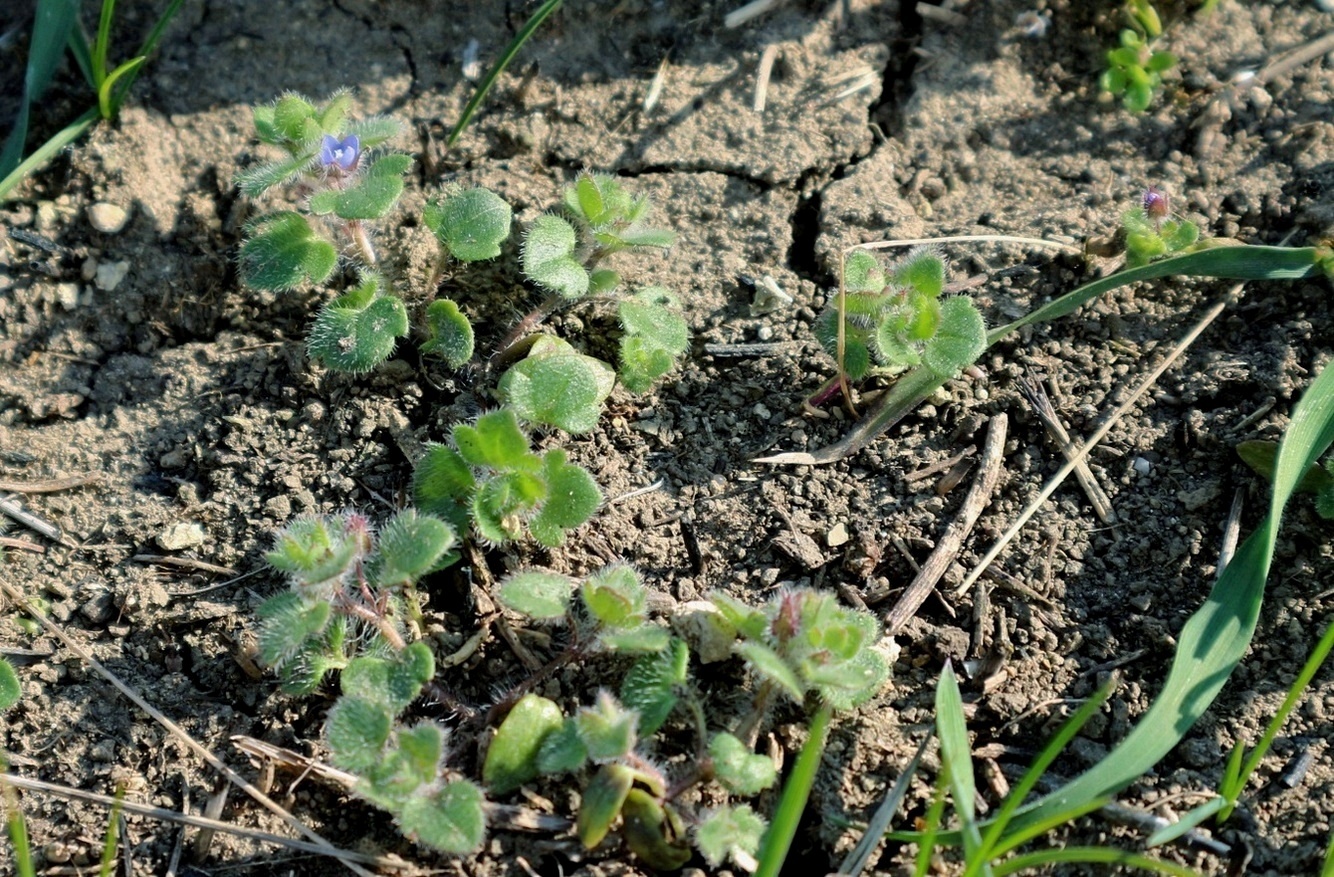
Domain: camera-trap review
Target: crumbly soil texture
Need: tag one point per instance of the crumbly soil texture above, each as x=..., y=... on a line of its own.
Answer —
x=131, y=354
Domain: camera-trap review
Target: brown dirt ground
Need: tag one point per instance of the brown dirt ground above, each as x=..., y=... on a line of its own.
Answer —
x=191, y=400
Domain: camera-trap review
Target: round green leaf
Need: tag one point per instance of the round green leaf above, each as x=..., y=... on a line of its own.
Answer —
x=471, y=224
x=961, y=339
x=541, y=595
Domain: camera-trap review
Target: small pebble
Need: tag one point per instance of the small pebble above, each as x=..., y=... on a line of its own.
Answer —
x=181, y=535
x=108, y=218
x=67, y=294
x=764, y=333
x=1142, y=466
x=110, y=274
x=837, y=535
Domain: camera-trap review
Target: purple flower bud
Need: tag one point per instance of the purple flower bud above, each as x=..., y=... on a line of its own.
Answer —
x=342, y=154
x=1156, y=204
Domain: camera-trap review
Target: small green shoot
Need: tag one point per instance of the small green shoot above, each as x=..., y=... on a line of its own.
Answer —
x=55, y=25
x=1134, y=69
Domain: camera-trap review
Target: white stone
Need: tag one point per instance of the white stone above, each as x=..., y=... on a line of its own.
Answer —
x=108, y=218
x=110, y=274
x=181, y=535
x=67, y=294
x=837, y=535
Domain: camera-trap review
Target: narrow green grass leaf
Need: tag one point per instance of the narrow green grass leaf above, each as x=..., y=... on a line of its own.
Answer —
x=1234, y=783
x=792, y=803
x=524, y=34
x=1049, y=752
x=52, y=24
x=18, y=830
x=109, y=839
x=1217, y=635
x=926, y=842
x=1193, y=819
x=956, y=758
x=1094, y=855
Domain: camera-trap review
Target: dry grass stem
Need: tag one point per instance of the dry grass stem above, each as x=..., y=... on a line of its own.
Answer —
x=1037, y=398
x=1101, y=432
x=979, y=495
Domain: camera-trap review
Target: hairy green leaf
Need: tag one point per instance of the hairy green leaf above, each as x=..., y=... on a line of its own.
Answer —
x=449, y=334
x=452, y=819
x=512, y=757
x=471, y=224
x=358, y=330
x=539, y=595
x=282, y=252
x=548, y=257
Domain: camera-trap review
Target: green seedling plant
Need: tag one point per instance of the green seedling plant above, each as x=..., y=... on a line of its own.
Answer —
x=989, y=848
x=1151, y=232
x=56, y=25
x=1318, y=480
x=801, y=645
x=352, y=607
x=889, y=321
x=563, y=253
x=1134, y=69
x=491, y=483
x=343, y=182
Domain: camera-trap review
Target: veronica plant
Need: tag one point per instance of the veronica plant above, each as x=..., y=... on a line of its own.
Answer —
x=490, y=480
x=1134, y=70
x=802, y=644
x=563, y=254
x=344, y=181
x=892, y=320
x=1152, y=232
x=351, y=608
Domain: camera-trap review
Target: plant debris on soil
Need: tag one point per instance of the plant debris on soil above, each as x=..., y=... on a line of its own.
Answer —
x=132, y=360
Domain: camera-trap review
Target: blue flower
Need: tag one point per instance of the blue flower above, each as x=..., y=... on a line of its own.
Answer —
x=342, y=154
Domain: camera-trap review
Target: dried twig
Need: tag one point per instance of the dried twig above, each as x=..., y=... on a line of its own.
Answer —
x=184, y=563
x=11, y=506
x=762, y=75
x=1101, y=432
x=34, y=785
x=947, y=549
x=177, y=731
x=1037, y=398
x=51, y=485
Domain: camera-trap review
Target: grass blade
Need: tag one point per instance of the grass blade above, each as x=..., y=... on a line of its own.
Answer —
x=102, y=43
x=1232, y=789
x=1193, y=819
x=1054, y=747
x=1095, y=855
x=792, y=803
x=18, y=830
x=150, y=43
x=956, y=758
x=48, y=150
x=525, y=33
x=1216, y=636
x=926, y=841
x=51, y=27
x=109, y=841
